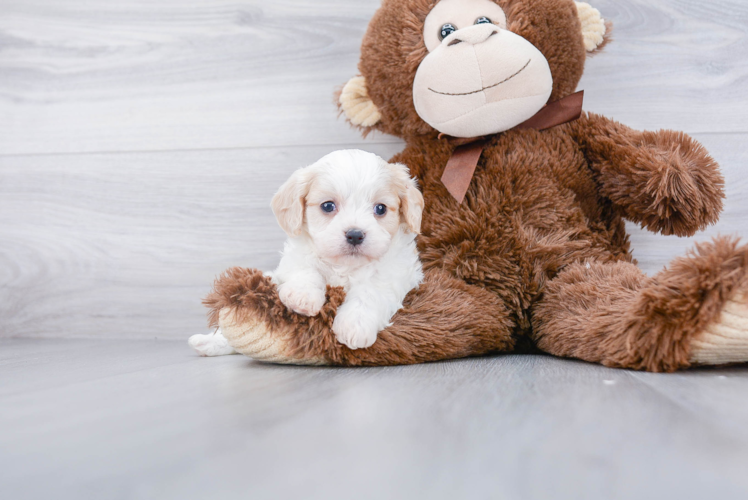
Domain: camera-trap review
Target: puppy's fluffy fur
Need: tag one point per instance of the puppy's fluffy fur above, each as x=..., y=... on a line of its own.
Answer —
x=320, y=207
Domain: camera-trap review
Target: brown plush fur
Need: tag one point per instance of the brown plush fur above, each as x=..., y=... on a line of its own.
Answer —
x=613, y=314
x=538, y=249
x=469, y=319
x=663, y=180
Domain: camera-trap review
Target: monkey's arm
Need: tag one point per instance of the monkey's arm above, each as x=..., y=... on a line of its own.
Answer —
x=664, y=180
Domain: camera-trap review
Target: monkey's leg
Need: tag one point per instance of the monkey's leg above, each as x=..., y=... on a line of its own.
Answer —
x=445, y=318
x=695, y=312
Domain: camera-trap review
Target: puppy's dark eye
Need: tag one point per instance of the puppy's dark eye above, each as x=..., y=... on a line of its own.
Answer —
x=328, y=207
x=446, y=30
x=483, y=20
x=380, y=209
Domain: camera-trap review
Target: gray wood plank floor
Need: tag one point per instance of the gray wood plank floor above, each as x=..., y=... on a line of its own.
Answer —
x=142, y=419
x=140, y=143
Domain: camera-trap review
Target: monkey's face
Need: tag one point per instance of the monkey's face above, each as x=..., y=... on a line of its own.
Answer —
x=468, y=68
x=478, y=78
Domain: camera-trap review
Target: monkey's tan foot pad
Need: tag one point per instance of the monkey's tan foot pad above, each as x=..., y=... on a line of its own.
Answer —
x=258, y=340
x=726, y=340
x=244, y=303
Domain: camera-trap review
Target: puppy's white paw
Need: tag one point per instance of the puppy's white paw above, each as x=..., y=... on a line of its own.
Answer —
x=354, y=329
x=305, y=300
x=214, y=344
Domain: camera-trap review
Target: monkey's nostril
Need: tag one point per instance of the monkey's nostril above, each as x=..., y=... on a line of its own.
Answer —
x=454, y=42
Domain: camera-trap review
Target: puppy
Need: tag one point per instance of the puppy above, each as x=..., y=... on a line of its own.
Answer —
x=351, y=220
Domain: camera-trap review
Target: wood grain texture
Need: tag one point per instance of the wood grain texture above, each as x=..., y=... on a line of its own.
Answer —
x=127, y=244
x=96, y=75
x=140, y=142
x=143, y=419
x=87, y=76
x=678, y=64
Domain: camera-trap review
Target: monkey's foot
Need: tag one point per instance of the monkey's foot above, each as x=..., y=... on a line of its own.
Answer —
x=245, y=305
x=432, y=325
x=258, y=339
x=724, y=341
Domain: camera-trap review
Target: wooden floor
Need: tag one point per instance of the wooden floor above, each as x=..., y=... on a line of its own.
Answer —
x=140, y=143
x=138, y=419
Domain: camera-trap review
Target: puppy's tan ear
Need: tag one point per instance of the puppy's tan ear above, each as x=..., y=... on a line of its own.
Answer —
x=357, y=105
x=595, y=30
x=289, y=202
x=413, y=207
x=411, y=199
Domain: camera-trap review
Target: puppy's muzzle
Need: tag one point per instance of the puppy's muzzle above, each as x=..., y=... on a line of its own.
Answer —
x=354, y=237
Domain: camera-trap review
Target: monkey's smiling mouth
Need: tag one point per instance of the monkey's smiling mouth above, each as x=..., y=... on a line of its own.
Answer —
x=490, y=86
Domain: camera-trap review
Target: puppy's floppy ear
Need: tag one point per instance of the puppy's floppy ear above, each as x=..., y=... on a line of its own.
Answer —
x=358, y=107
x=289, y=202
x=411, y=199
x=595, y=30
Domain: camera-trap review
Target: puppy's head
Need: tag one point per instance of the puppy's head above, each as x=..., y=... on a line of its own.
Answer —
x=350, y=204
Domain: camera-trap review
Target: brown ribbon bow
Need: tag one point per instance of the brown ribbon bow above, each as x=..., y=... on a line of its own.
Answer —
x=461, y=166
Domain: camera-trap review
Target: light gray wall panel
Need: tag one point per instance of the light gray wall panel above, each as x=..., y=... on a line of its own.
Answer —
x=140, y=142
x=96, y=75
x=127, y=244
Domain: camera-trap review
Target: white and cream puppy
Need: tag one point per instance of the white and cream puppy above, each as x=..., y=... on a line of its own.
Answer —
x=351, y=220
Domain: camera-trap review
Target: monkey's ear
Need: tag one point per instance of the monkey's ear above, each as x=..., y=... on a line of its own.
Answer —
x=356, y=104
x=595, y=31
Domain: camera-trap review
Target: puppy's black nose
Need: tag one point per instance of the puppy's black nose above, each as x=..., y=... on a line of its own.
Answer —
x=354, y=236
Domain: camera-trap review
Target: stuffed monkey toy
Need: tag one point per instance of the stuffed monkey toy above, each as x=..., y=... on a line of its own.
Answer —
x=523, y=239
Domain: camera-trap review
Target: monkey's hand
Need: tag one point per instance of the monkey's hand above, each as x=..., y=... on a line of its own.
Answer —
x=664, y=180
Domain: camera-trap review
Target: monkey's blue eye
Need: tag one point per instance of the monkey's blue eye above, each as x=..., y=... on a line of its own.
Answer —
x=483, y=20
x=380, y=209
x=446, y=30
x=328, y=207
